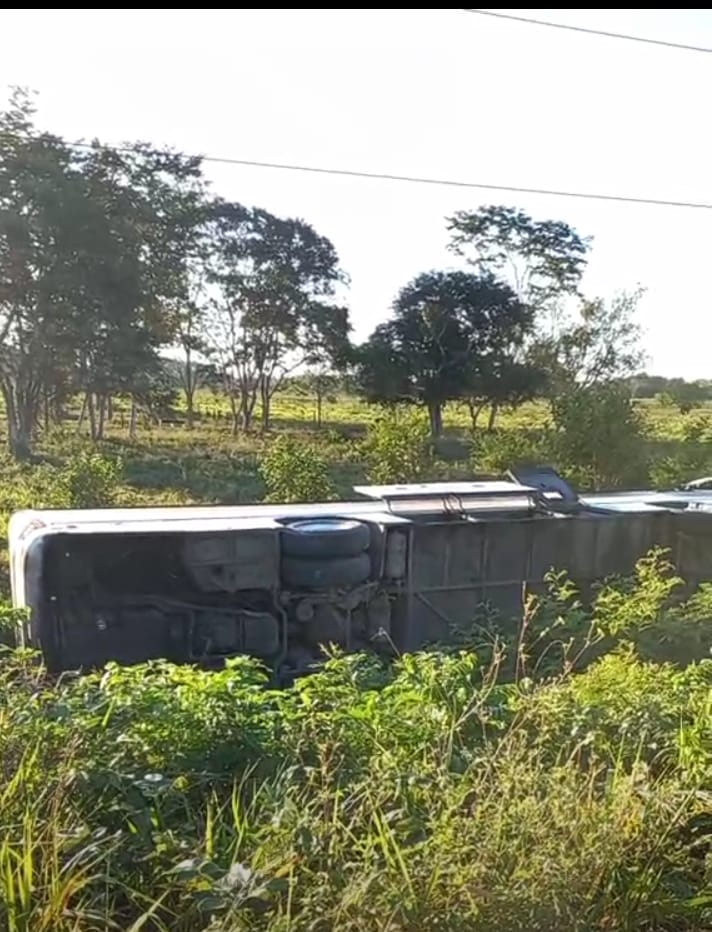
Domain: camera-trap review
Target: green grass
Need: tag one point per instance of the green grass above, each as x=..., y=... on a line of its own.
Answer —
x=437, y=793
x=170, y=464
x=557, y=780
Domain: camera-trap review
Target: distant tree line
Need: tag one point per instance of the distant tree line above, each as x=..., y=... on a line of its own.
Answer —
x=112, y=257
x=673, y=391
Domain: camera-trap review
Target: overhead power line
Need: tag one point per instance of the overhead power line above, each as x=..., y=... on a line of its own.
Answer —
x=591, y=32
x=442, y=182
x=406, y=179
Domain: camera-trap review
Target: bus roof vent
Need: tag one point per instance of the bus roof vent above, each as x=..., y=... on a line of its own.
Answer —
x=452, y=497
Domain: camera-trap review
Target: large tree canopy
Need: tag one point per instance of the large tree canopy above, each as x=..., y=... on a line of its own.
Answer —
x=451, y=334
x=276, y=306
x=110, y=255
x=541, y=259
x=578, y=341
x=93, y=255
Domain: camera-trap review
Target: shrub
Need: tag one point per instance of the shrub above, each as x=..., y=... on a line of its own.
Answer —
x=295, y=471
x=599, y=440
x=499, y=450
x=11, y=621
x=88, y=479
x=691, y=460
x=178, y=799
x=397, y=447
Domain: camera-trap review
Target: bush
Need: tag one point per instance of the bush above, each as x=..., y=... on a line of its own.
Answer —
x=11, y=622
x=494, y=452
x=424, y=791
x=295, y=471
x=597, y=441
x=600, y=441
x=691, y=460
x=397, y=447
x=88, y=479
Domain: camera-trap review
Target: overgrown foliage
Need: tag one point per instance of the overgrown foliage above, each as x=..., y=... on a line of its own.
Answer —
x=551, y=771
x=397, y=447
x=599, y=437
x=453, y=335
x=295, y=471
x=114, y=258
x=558, y=777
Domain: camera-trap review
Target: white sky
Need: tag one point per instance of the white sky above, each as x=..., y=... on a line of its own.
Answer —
x=437, y=93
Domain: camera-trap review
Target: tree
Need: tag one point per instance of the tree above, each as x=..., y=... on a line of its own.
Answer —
x=154, y=393
x=275, y=312
x=599, y=437
x=320, y=383
x=541, y=259
x=155, y=209
x=42, y=209
x=648, y=386
x=94, y=248
x=196, y=348
x=450, y=336
x=507, y=384
x=188, y=306
x=599, y=344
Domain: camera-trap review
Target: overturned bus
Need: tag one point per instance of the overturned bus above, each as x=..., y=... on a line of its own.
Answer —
x=403, y=565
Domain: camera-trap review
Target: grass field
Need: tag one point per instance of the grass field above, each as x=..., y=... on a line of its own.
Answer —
x=208, y=464
x=560, y=780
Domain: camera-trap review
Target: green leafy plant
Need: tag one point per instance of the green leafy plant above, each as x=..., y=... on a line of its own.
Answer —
x=691, y=459
x=600, y=440
x=87, y=479
x=496, y=451
x=11, y=621
x=397, y=447
x=295, y=471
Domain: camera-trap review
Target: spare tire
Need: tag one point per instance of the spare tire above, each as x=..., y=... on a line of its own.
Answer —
x=326, y=574
x=325, y=537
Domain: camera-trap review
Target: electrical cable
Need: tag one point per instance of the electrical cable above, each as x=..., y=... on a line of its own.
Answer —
x=407, y=179
x=591, y=32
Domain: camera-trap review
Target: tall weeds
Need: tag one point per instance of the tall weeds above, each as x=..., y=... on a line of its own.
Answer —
x=566, y=789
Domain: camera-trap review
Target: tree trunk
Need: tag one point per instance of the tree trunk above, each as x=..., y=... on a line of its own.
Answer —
x=20, y=413
x=58, y=412
x=265, y=401
x=189, y=408
x=101, y=419
x=492, y=416
x=91, y=409
x=20, y=442
x=235, y=410
x=248, y=401
x=435, y=415
x=189, y=389
x=319, y=407
x=266, y=412
x=82, y=413
x=133, y=421
x=475, y=411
